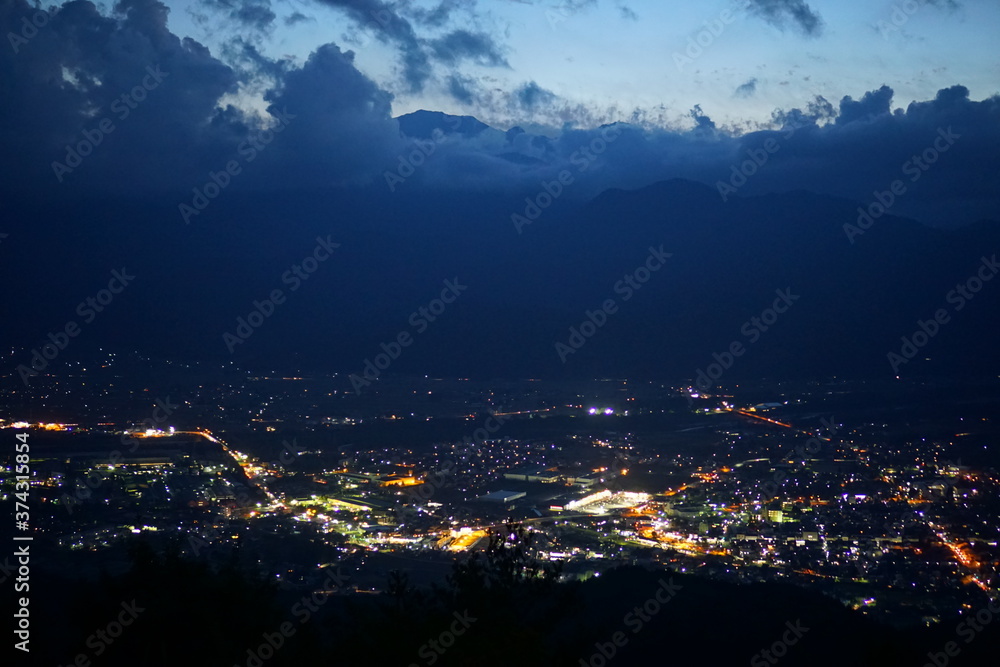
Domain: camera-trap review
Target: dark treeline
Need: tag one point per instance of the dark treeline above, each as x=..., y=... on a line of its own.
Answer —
x=500, y=606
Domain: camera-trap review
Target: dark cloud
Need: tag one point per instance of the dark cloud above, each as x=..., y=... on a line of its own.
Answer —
x=627, y=13
x=858, y=154
x=438, y=16
x=531, y=96
x=343, y=129
x=106, y=57
x=297, y=17
x=250, y=64
x=816, y=111
x=781, y=13
x=864, y=150
x=746, y=89
x=254, y=14
x=702, y=122
x=873, y=103
x=462, y=88
x=382, y=20
x=947, y=4
x=66, y=79
x=181, y=129
x=462, y=45
x=391, y=23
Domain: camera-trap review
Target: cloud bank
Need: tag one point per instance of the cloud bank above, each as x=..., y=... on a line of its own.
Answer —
x=83, y=70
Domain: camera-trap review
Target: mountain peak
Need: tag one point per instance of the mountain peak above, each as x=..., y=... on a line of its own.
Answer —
x=422, y=124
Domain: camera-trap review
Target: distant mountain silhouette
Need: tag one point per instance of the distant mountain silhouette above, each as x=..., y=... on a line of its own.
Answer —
x=421, y=124
x=526, y=290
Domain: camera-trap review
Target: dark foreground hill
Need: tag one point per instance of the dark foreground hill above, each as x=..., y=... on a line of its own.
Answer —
x=178, y=611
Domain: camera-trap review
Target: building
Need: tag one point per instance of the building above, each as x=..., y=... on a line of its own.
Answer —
x=502, y=497
x=544, y=475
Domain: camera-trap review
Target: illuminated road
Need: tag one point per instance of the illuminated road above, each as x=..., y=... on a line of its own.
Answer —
x=964, y=559
x=763, y=419
x=252, y=471
x=559, y=517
